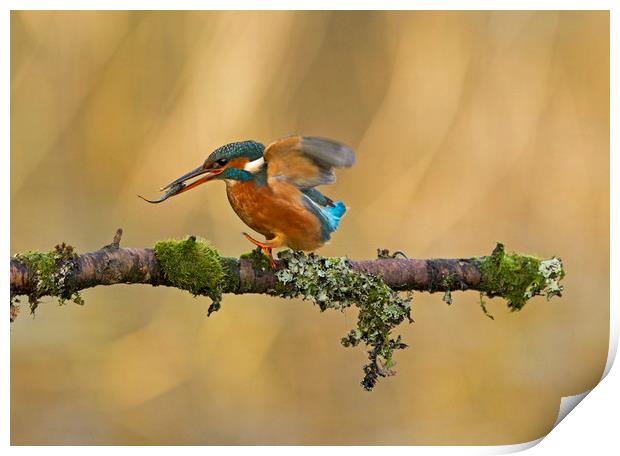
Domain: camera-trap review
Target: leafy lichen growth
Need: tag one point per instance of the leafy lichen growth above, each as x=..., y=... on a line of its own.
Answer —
x=49, y=272
x=551, y=272
x=332, y=284
x=193, y=265
x=518, y=278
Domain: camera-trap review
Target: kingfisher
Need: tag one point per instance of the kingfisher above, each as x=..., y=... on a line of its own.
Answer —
x=272, y=189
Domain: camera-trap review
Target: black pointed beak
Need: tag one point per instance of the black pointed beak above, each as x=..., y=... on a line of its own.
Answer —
x=185, y=177
x=180, y=185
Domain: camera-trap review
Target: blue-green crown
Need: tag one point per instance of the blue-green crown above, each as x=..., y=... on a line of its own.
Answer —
x=250, y=149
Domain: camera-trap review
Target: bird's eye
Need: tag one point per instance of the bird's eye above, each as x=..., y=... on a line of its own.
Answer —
x=221, y=162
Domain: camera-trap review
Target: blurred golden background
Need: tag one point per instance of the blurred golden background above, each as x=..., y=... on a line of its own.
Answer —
x=470, y=127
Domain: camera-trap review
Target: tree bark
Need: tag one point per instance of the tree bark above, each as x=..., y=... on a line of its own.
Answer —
x=114, y=265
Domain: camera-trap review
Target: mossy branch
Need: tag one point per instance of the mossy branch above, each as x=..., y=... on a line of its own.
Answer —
x=371, y=285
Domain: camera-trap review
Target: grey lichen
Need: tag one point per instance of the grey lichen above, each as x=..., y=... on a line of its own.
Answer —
x=518, y=277
x=332, y=284
x=193, y=265
x=552, y=272
x=49, y=272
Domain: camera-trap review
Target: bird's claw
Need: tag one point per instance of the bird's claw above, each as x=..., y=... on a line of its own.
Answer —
x=263, y=248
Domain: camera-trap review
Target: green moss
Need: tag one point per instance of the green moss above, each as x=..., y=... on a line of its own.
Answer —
x=258, y=259
x=230, y=268
x=332, y=284
x=483, y=306
x=192, y=265
x=49, y=272
x=518, y=278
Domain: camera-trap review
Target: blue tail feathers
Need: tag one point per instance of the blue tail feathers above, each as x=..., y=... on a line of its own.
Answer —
x=329, y=214
x=334, y=214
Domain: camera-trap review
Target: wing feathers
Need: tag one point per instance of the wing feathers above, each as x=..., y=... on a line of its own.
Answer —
x=327, y=152
x=306, y=161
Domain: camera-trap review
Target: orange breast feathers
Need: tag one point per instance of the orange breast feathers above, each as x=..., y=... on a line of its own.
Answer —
x=277, y=212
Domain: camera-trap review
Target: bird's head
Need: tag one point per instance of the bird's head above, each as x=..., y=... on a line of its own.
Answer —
x=228, y=162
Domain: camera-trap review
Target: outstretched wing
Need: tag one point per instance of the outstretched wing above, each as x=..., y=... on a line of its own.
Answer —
x=306, y=161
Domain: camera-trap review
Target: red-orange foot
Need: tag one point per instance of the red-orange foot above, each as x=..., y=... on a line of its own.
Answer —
x=266, y=248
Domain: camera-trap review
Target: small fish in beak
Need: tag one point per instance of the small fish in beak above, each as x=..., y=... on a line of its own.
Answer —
x=181, y=185
x=173, y=190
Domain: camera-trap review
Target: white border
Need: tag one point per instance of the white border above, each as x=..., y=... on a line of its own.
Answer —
x=596, y=417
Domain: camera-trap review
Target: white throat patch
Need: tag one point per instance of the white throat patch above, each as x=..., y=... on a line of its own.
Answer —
x=254, y=166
